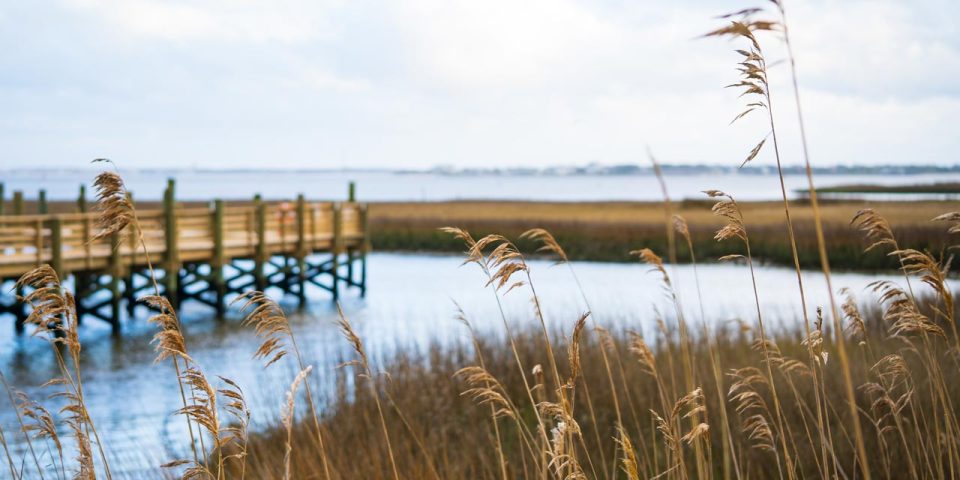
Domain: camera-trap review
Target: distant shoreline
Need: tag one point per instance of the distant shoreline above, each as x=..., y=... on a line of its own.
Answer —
x=546, y=171
x=929, y=188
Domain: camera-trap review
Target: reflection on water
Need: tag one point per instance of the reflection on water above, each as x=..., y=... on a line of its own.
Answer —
x=409, y=303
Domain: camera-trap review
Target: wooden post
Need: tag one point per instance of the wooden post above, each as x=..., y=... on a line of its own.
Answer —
x=116, y=274
x=302, y=249
x=20, y=310
x=42, y=202
x=82, y=199
x=337, y=248
x=260, y=255
x=3, y=199
x=352, y=192
x=364, y=249
x=171, y=261
x=216, y=266
x=18, y=202
x=56, y=246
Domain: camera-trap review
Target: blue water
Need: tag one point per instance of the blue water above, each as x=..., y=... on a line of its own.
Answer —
x=389, y=186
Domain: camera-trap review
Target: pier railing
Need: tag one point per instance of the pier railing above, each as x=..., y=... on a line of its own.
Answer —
x=204, y=253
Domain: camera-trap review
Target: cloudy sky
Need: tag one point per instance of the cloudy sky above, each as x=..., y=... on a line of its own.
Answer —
x=419, y=83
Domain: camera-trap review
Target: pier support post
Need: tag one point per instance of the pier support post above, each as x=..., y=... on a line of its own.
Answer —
x=130, y=292
x=42, y=202
x=364, y=249
x=18, y=202
x=337, y=248
x=171, y=267
x=216, y=266
x=302, y=250
x=80, y=290
x=116, y=274
x=129, y=274
x=20, y=310
x=260, y=254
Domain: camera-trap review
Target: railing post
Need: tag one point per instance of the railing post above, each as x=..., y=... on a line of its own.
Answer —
x=42, y=202
x=82, y=199
x=337, y=248
x=56, y=246
x=302, y=249
x=352, y=192
x=260, y=255
x=220, y=287
x=18, y=202
x=364, y=249
x=116, y=274
x=171, y=260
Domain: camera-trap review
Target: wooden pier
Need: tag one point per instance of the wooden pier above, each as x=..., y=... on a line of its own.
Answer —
x=204, y=254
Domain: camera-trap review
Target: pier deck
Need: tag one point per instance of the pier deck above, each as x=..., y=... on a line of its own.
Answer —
x=197, y=253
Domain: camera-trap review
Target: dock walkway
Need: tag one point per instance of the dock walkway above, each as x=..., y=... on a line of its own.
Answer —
x=198, y=253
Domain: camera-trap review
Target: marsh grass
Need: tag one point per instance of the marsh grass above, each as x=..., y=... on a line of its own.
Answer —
x=855, y=390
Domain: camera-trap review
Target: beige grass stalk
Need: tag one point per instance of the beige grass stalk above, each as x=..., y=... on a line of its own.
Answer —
x=6, y=451
x=727, y=207
x=272, y=326
x=287, y=416
x=903, y=311
x=755, y=82
x=23, y=431
x=475, y=254
x=462, y=316
x=364, y=365
x=116, y=213
x=550, y=245
x=729, y=449
x=822, y=244
x=689, y=374
x=54, y=314
x=236, y=406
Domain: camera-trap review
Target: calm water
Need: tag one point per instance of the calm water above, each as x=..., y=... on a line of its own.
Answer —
x=409, y=304
x=386, y=186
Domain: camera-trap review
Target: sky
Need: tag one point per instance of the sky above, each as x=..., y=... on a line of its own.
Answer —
x=492, y=83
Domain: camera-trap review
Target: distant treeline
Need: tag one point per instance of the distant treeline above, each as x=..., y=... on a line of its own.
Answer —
x=697, y=169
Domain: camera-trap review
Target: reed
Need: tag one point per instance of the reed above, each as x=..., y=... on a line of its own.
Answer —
x=869, y=388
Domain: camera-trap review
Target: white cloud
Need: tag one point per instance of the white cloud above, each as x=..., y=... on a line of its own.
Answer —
x=217, y=20
x=425, y=82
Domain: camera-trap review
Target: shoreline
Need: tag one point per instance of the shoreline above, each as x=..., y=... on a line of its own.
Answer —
x=607, y=231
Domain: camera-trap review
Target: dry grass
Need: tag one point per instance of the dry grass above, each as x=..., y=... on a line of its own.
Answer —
x=607, y=231
x=862, y=390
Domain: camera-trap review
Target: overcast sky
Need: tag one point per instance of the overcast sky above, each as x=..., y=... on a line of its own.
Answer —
x=419, y=83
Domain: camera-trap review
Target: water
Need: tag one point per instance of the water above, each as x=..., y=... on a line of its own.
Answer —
x=389, y=186
x=409, y=304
